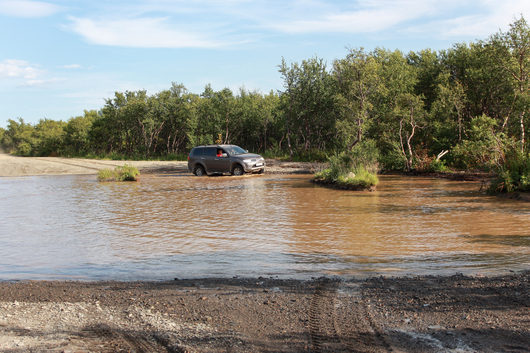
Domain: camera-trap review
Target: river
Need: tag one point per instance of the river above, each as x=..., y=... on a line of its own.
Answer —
x=181, y=226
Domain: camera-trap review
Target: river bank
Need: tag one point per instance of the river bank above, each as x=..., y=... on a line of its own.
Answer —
x=408, y=314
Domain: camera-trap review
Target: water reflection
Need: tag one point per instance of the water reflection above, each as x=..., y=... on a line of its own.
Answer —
x=183, y=226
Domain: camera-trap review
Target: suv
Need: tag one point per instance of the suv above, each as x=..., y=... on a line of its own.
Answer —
x=224, y=159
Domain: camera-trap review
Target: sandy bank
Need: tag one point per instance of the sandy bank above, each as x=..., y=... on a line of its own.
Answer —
x=420, y=314
x=12, y=166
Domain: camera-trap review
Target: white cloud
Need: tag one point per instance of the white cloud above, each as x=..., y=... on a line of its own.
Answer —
x=364, y=17
x=18, y=69
x=23, y=73
x=28, y=9
x=451, y=18
x=140, y=33
x=71, y=66
x=495, y=16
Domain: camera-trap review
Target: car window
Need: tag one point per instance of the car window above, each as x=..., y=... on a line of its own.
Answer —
x=234, y=150
x=210, y=151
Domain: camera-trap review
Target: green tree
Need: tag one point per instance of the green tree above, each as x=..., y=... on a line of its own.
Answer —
x=409, y=110
x=308, y=103
x=2, y=134
x=513, y=56
x=358, y=80
x=48, y=137
x=77, y=130
x=19, y=137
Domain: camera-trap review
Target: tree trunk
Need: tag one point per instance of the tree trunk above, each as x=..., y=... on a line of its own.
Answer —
x=522, y=132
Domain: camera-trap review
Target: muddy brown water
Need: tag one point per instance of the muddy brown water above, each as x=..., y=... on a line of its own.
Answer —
x=168, y=226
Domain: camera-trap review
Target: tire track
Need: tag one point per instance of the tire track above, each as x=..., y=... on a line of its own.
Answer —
x=322, y=326
x=123, y=341
x=78, y=165
x=340, y=320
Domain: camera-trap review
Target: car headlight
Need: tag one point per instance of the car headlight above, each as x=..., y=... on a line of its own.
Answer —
x=247, y=161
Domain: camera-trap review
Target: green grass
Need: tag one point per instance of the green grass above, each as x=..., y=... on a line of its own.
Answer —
x=120, y=173
x=358, y=179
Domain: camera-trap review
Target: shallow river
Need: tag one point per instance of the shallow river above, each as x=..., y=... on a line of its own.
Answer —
x=168, y=226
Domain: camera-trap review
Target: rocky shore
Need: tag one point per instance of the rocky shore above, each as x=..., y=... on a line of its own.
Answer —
x=409, y=314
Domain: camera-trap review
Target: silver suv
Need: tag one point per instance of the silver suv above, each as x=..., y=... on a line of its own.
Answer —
x=222, y=159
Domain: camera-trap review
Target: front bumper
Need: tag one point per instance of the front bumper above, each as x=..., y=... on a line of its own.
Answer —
x=254, y=166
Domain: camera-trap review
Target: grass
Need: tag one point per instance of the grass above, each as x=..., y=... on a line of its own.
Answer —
x=120, y=173
x=358, y=179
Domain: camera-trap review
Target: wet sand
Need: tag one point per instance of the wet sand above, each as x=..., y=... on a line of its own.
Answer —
x=412, y=314
x=13, y=166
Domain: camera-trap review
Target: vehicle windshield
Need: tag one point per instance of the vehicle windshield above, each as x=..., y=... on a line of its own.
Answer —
x=234, y=150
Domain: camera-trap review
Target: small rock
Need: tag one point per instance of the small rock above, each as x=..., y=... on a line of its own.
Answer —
x=436, y=327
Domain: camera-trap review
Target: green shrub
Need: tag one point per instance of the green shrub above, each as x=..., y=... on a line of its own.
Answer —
x=437, y=166
x=120, y=173
x=483, y=149
x=354, y=169
x=513, y=174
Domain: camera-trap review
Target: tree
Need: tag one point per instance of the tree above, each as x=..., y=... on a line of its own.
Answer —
x=409, y=111
x=308, y=103
x=77, y=133
x=19, y=137
x=513, y=49
x=48, y=137
x=358, y=80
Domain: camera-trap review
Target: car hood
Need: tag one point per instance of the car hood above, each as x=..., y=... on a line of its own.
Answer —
x=248, y=155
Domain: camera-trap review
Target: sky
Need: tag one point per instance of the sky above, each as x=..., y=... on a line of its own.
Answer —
x=61, y=57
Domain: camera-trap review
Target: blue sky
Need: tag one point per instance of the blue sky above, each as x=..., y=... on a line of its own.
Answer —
x=60, y=57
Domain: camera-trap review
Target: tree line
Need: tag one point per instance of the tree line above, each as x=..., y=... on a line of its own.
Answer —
x=465, y=106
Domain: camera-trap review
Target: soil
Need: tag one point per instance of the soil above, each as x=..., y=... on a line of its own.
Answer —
x=409, y=314
x=13, y=166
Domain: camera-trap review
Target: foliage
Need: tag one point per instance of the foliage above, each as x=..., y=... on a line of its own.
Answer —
x=471, y=100
x=513, y=174
x=120, y=173
x=437, y=166
x=483, y=148
x=355, y=169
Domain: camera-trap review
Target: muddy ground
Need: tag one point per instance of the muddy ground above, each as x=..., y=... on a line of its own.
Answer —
x=415, y=314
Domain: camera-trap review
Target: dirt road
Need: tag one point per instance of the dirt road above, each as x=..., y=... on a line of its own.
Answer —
x=12, y=166
x=421, y=314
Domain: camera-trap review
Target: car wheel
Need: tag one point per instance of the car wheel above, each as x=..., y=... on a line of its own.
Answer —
x=238, y=170
x=199, y=171
x=261, y=171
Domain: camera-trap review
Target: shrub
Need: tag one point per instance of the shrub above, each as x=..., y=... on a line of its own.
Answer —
x=354, y=169
x=437, y=166
x=120, y=173
x=483, y=149
x=513, y=174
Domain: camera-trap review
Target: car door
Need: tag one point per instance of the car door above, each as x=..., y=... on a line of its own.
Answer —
x=218, y=164
x=208, y=159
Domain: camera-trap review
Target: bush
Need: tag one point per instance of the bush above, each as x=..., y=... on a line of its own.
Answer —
x=483, y=149
x=354, y=169
x=514, y=174
x=437, y=166
x=120, y=173
x=392, y=158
